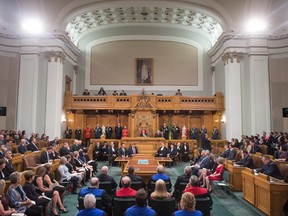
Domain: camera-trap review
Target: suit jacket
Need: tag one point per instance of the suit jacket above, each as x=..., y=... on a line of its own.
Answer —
x=205, y=163
x=181, y=179
x=22, y=149
x=54, y=155
x=9, y=167
x=232, y=155
x=134, y=178
x=172, y=152
x=271, y=169
x=5, y=175
x=185, y=151
x=130, y=151
x=162, y=152
x=107, y=178
x=118, y=132
x=111, y=152
x=122, y=152
x=225, y=153
x=32, y=147
x=64, y=151
x=247, y=162
x=44, y=157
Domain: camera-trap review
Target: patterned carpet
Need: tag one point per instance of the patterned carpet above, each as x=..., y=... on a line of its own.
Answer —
x=224, y=204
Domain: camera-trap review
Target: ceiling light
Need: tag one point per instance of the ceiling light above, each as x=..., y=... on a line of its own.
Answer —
x=32, y=26
x=255, y=26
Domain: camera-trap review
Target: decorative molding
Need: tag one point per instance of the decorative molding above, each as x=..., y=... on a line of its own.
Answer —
x=56, y=56
x=232, y=56
x=143, y=15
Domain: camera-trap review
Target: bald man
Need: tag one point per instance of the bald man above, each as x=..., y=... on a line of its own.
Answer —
x=126, y=190
x=22, y=147
x=104, y=177
x=94, y=189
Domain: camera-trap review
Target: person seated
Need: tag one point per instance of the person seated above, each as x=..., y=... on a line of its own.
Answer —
x=204, y=162
x=123, y=151
x=160, y=191
x=269, y=168
x=194, y=187
x=32, y=145
x=126, y=190
x=86, y=92
x=254, y=148
x=66, y=176
x=49, y=192
x=185, y=152
x=18, y=199
x=90, y=207
x=83, y=166
x=160, y=175
x=104, y=152
x=72, y=169
x=182, y=179
x=133, y=177
x=187, y=205
x=162, y=151
x=45, y=155
x=115, y=93
x=172, y=153
x=31, y=193
x=141, y=207
x=9, y=168
x=143, y=133
x=94, y=189
x=226, y=151
x=245, y=160
x=4, y=201
x=86, y=160
x=22, y=146
x=232, y=152
x=158, y=134
x=104, y=177
x=3, y=174
x=101, y=91
x=178, y=92
x=132, y=150
x=77, y=146
x=65, y=149
x=113, y=154
x=123, y=93
x=216, y=176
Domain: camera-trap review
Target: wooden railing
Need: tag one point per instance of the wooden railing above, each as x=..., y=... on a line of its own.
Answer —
x=213, y=103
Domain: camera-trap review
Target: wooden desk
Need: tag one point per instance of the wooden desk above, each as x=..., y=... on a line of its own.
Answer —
x=248, y=185
x=270, y=196
x=143, y=170
x=235, y=179
x=265, y=193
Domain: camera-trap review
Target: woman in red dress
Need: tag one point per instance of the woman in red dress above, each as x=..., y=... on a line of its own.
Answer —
x=217, y=175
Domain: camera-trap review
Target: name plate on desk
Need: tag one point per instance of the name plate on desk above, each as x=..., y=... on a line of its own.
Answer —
x=143, y=162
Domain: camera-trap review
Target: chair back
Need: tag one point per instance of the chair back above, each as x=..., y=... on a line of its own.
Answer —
x=29, y=161
x=203, y=205
x=106, y=186
x=99, y=203
x=263, y=148
x=163, y=206
x=136, y=185
x=121, y=204
x=257, y=161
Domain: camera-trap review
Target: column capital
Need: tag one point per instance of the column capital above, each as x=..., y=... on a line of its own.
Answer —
x=231, y=55
x=55, y=56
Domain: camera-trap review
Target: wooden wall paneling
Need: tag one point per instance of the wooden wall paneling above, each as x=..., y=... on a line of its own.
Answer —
x=217, y=123
x=70, y=120
x=208, y=122
x=79, y=120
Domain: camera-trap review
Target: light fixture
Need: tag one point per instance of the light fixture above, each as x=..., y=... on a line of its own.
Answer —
x=33, y=26
x=255, y=26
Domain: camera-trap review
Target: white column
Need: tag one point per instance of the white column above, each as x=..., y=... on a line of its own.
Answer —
x=260, y=96
x=54, y=101
x=27, y=93
x=74, y=80
x=233, y=104
x=213, y=80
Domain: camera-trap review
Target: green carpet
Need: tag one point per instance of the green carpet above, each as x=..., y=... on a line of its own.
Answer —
x=224, y=204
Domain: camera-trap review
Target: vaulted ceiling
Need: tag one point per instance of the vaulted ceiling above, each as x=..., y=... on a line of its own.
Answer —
x=83, y=20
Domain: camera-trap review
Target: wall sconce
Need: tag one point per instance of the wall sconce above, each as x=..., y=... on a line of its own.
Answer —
x=223, y=119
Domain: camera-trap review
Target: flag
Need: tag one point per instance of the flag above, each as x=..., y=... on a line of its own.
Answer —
x=169, y=127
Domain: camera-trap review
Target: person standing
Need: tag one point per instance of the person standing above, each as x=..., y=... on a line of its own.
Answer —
x=215, y=133
x=78, y=133
x=118, y=131
x=87, y=134
x=175, y=131
x=98, y=131
x=165, y=131
x=193, y=132
x=108, y=131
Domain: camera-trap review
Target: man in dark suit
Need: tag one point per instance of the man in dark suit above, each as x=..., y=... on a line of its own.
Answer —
x=113, y=154
x=118, y=131
x=9, y=167
x=123, y=151
x=206, y=143
x=172, y=154
x=254, y=148
x=78, y=133
x=2, y=150
x=226, y=152
x=104, y=177
x=98, y=132
x=64, y=150
x=185, y=152
x=22, y=146
x=108, y=132
x=45, y=156
x=3, y=173
x=232, y=153
x=133, y=177
x=182, y=179
x=246, y=160
x=193, y=132
x=269, y=168
x=97, y=152
x=132, y=150
x=32, y=145
x=165, y=131
x=204, y=163
x=54, y=155
x=162, y=151
x=175, y=131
